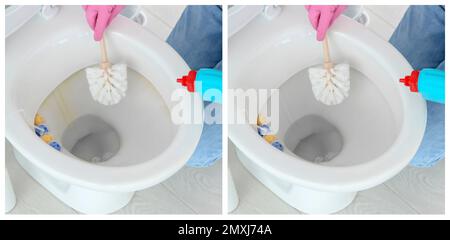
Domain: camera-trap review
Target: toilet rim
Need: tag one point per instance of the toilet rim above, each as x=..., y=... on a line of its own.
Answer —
x=109, y=178
x=349, y=178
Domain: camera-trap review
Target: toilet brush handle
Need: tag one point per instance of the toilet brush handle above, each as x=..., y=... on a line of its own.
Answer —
x=326, y=54
x=105, y=63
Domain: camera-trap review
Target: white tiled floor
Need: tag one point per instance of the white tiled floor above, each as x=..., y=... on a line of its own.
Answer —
x=189, y=191
x=412, y=191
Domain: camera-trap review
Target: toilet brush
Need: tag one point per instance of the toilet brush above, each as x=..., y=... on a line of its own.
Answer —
x=330, y=84
x=107, y=83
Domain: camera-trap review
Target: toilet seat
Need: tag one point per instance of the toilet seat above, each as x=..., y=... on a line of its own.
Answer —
x=65, y=42
x=268, y=62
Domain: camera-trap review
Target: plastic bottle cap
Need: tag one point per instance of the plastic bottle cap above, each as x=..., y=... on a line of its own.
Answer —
x=189, y=80
x=411, y=81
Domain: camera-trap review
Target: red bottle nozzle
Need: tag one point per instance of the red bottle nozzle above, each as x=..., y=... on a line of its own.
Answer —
x=411, y=81
x=189, y=80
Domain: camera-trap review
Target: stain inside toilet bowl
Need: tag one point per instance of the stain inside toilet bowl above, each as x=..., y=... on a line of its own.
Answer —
x=356, y=131
x=133, y=131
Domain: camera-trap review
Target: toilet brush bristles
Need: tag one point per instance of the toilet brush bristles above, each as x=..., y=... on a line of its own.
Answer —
x=330, y=84
x=107, y=84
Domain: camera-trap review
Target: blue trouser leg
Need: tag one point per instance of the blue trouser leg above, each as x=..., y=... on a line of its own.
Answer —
x=420, y=37
x=197, y=37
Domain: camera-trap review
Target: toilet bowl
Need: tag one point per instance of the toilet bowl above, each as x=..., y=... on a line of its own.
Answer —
x=108, y=152
x=330, y=152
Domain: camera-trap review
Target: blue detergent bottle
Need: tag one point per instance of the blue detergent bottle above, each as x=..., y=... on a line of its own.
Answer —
x=430, y=83
x=208, y=82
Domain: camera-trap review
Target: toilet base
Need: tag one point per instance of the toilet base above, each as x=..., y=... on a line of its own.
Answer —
x=81, y=199
x=303, y=199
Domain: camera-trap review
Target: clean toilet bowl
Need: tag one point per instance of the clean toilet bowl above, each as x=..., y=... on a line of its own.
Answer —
x=372, y=135
x=44, y=59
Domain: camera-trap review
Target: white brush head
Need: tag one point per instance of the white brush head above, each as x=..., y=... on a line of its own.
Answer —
x=107, y=86
x=330, y=87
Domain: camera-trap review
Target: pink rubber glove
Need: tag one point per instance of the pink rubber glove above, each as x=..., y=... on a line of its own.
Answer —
x=322, y=16
x=100, y=16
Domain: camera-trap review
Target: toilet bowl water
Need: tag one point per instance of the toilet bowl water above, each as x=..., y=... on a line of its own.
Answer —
x=120, y=135
x=91, y=139
x=314, y=139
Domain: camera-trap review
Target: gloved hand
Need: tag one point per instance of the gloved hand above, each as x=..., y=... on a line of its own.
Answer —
x=100, y=16
x=322, y=16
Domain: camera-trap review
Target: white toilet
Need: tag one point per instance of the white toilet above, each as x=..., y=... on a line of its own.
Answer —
x=330, y=152
x=45, y=58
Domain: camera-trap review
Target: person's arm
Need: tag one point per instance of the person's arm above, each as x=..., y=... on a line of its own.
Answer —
x=100, y=16
x=323, y=16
